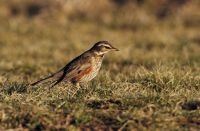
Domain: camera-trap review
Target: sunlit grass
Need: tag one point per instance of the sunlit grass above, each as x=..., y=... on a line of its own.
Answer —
x=153, y=83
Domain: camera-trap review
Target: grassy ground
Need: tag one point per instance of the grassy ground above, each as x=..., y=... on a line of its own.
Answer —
x=153, y=83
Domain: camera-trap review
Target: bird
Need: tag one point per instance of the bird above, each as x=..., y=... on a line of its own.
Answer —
x=82, y=68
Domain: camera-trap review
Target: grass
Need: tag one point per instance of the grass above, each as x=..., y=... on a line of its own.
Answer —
x=153, y=83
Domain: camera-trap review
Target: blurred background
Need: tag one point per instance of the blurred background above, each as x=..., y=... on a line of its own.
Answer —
x=39, y=36
x=152, y=83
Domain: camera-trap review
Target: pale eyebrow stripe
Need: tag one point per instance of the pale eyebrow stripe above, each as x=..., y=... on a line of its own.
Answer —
x=104, y=45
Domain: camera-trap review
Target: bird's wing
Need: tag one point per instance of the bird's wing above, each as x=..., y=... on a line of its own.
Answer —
x=74, y=68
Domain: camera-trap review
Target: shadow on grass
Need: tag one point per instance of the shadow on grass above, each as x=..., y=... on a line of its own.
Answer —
x=11, y=87
x=191, y=105
x=104, y=104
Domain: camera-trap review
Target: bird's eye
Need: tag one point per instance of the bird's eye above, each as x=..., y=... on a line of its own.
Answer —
x=107, y=47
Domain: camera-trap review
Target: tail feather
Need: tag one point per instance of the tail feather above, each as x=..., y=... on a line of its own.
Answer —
x=41, y=80
x=56, y=75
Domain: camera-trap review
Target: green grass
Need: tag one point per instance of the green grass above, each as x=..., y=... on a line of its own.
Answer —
x=153, y=83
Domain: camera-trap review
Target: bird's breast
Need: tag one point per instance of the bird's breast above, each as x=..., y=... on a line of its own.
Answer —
x=96, y=65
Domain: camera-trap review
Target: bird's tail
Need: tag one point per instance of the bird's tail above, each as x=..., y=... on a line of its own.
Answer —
x=56, y=77
x=42, y=80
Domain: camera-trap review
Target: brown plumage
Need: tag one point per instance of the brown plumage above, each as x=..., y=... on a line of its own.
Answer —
x=83, y=68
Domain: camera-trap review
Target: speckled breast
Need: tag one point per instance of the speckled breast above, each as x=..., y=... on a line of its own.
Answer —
x=96, y=65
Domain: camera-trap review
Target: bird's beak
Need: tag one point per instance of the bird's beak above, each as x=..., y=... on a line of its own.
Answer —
x=115, y=49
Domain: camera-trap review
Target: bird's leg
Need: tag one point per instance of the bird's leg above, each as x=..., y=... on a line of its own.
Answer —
x=77, y=88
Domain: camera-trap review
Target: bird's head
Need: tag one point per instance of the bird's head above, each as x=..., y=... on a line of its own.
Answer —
x=103, y=47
